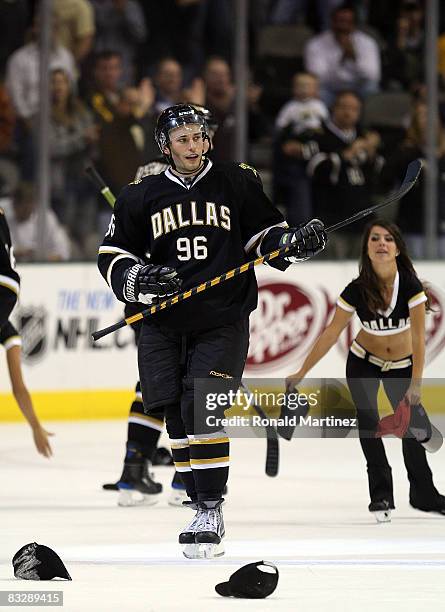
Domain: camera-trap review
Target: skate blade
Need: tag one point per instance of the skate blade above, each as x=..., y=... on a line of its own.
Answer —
x=177, y=497
x=136, y=498
x=210, y=551
x=382, y=516
x=203, y=551
x=191, y=551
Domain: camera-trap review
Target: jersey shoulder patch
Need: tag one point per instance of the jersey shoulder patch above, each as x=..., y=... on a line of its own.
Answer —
x=245, y=166
x=153, y=168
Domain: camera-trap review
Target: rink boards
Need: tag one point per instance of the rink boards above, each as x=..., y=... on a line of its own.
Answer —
x=72, y=377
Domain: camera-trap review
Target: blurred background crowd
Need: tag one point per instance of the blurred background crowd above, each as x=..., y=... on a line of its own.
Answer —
x=336, y=106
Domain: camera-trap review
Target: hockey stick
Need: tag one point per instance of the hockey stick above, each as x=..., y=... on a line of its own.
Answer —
x=272, y=442
x=412, y=174
x=96, y=178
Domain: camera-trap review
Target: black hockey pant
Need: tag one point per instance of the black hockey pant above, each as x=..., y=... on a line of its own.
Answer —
x=364, y=381
x=175, y=372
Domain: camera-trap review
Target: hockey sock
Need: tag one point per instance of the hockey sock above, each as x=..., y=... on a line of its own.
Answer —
x=181, y=457
x=144, y=429
x=177, y=482
x=133, y=453
x=209, y=460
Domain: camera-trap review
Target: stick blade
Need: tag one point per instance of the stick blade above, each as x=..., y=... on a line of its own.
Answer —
x=272, y=454
x=412, y=172
x=411, y=176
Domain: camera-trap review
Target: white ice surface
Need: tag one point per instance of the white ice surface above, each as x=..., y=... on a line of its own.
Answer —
x=312, y=521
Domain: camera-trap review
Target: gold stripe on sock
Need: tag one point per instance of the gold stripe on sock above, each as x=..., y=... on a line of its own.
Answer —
x=210, y=441
x=214, y=460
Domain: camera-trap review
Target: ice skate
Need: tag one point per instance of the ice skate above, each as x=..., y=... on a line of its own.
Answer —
x=147, y=475
x=381, y=511
x=187, y=536
x=162, y=456
x=111, y=486
x=178, y=494
x=210, y=531
x=148, y=478
x=136, y=487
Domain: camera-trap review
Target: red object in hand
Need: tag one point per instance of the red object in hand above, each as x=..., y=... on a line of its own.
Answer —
x=396, y=424
x=411, y=422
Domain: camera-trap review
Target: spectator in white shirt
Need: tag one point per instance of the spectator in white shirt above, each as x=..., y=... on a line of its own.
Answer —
x=23, y=76
x=23, y=82
x=305, y=111
x=343, y=58
x=23, y=225
x=294, y=128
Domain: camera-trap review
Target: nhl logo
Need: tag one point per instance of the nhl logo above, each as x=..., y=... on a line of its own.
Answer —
x=31, y=324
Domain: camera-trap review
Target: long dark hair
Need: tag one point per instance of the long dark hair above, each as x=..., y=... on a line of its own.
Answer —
x=369, y=282
x=73, y=107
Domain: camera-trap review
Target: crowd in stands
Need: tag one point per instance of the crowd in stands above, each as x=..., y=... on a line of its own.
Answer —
x=336, y=106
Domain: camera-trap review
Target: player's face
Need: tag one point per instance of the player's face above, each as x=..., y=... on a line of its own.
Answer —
x=381, y=245
x=187, y=147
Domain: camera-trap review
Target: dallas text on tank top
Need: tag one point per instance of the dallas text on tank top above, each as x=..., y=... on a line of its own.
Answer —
x=407, y=293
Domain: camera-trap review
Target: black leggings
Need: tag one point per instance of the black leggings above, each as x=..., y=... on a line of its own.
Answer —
x=364, y=380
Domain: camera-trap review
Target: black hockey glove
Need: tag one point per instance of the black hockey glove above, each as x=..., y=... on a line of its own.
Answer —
x=151, y=283
x=307, y=240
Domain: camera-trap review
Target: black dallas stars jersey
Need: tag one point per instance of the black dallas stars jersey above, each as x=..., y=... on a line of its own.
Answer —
x=9, y=279
x=407, y=293
x=203, y=230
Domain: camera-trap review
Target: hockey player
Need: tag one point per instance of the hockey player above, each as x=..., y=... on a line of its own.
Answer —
x=9, y=279
x=196, y=220
x=390, y=302
x=9, y=338
x=135, y=484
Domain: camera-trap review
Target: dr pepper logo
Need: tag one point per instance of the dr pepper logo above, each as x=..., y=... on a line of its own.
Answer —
x=285, y=325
